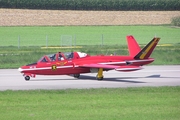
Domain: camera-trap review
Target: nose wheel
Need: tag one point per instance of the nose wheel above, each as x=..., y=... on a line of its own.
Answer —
x=27, y=78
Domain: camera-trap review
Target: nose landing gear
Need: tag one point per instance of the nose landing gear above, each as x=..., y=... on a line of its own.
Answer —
x=27, y=76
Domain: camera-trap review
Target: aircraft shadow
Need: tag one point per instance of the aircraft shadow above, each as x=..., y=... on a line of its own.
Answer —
x=159, y=76
x=110, y=79
x=154, y=76
x=114, y=79
x=85, y=78
x=124, y=79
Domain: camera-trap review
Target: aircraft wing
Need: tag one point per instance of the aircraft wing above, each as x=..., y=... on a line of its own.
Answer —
x=110, y=67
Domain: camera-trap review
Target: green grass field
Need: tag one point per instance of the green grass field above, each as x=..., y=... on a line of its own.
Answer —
x=149, y=103
x=85, y=35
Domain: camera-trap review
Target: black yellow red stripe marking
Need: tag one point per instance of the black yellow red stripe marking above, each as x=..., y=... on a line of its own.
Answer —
x=147, y=50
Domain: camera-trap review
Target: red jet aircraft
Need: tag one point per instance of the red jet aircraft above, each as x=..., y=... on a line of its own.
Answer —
x=76, y=63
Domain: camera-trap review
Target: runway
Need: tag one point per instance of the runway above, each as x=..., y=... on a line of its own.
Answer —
x=11, y=79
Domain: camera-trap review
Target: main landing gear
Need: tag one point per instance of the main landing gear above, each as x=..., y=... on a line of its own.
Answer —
x=100, y=76
x=76, y=75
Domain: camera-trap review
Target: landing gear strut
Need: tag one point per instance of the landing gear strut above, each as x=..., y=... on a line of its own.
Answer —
x=100, y=76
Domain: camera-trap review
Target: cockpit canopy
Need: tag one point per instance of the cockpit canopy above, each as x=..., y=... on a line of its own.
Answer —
x=63, y=56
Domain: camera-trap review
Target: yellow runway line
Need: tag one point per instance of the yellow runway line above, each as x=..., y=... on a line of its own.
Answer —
x=165, y=45
x=56, y=47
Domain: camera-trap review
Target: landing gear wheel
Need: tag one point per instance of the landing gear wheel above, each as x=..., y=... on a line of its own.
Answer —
x=76, y=75
x=99, y=78
x=27, y=78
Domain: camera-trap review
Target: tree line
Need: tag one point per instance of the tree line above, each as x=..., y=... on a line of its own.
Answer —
x=126, y=5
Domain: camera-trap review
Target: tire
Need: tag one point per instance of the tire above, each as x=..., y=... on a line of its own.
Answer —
x=99, y=78
x=76, y=75
x=27, y=78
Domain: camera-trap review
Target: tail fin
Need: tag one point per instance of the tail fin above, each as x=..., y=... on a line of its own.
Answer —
x=133, y=46
x=148, y=49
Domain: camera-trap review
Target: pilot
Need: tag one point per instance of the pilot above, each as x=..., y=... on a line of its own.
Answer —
x=60, y=57
x=70, y=56
x=53, y=58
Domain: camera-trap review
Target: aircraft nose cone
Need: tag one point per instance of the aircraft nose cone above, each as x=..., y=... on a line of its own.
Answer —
x=20, y=69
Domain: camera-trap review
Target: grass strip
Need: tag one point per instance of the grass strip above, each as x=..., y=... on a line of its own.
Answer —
x=92, y=104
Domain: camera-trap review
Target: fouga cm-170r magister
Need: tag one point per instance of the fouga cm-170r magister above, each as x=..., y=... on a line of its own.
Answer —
x=76, y=63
